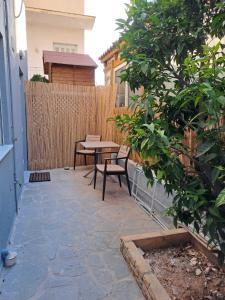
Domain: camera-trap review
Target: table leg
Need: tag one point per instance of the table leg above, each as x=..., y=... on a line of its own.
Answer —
x=89, y=172
x=98, y=161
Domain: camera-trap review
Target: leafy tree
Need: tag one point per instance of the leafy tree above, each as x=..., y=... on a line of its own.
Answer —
x=173, y=49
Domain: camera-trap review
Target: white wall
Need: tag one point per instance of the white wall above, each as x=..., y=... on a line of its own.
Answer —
x=73, y=6
x=40, y=38
x=20, y=25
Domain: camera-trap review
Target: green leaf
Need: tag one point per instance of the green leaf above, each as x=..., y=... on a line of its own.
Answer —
x=144, y=69
x=197, y=99
x=144, y=143
x=214, y=212
x=204, y=148
x=216, y=48
x=140, y=131
x=160, y=174
x=209, y=157
x=220, y=200
x=161, y=133
x=221, y=100
x=151, y=126
x=215, y=174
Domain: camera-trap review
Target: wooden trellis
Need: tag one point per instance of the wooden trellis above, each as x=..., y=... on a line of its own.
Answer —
x=60, y=114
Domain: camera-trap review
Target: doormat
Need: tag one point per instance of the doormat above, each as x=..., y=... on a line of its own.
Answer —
x=39, y=177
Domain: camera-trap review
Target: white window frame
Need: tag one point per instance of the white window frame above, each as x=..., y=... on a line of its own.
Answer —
x=126, y=83
x=65, y=47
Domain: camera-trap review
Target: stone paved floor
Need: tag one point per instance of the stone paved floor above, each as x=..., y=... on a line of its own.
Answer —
x=67, y=241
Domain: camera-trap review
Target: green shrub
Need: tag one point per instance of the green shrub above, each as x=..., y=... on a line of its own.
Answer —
x=38, y=77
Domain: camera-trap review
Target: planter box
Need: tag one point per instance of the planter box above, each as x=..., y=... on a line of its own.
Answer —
x=147, y=281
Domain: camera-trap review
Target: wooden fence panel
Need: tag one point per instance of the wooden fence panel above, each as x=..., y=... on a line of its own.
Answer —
x=58, y=115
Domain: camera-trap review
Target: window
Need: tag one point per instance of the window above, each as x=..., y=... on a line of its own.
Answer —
x=122, y=98
x=62, y=47
x=124, y=93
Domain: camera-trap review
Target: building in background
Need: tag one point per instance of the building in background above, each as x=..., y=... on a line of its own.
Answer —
x=113, y=67
x=54, y=25
x=13, y=72
x=69, y=68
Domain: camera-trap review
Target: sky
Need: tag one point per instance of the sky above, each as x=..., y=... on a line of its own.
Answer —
x=104, y=31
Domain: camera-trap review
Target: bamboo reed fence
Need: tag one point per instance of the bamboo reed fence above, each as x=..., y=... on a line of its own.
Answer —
x=60, y=114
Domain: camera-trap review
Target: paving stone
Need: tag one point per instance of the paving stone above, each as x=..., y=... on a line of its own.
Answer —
x=88, y=289
x=95, y=261
x=59, y=293
x=24, y=281
x=58, y=281
x=124, y=290
x=67, y=241
x=102, y=276
x=115, y=262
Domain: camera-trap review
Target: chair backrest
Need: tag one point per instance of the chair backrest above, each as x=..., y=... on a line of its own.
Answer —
x=93, y=138
x=124, y=151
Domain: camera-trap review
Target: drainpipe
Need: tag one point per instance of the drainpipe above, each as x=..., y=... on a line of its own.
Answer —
x=11, y=101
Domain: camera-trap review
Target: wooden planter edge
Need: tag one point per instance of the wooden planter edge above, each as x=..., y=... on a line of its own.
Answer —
x=146, y=280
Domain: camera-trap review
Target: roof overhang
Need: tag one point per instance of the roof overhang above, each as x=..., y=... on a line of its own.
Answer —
x=111, y=51
x=51, y=58
x=61, y=19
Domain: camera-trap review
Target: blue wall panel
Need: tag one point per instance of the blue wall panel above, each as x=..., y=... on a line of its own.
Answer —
x=7, y=198
x=13, y=70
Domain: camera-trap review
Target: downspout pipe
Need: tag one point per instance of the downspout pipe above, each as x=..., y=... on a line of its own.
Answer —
x=11, y=102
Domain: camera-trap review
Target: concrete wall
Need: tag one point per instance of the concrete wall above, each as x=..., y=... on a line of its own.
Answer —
x=39, y=38
x=13, y=158
x=73, y=6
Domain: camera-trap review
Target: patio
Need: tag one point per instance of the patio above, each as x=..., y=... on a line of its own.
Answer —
x=67, y=241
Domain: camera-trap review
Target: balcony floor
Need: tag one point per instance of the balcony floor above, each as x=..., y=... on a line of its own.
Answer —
x=67, y=241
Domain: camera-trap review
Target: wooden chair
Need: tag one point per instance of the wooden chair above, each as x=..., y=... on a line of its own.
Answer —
x=85, y=152
x=114, y=169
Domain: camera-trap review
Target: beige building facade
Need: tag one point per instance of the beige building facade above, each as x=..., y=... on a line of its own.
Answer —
x=54, y=25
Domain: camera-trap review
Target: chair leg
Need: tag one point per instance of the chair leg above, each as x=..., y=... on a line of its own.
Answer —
x=74, y=161
x=95, y=177
x=128, y=183
x=104, y=184
x=119, y=180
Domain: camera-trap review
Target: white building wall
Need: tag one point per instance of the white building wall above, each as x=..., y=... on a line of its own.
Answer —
x=73, y=6
x=40, y=38
x=20, y=26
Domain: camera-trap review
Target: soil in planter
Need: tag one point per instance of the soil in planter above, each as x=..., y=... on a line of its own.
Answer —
x=187, y=274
